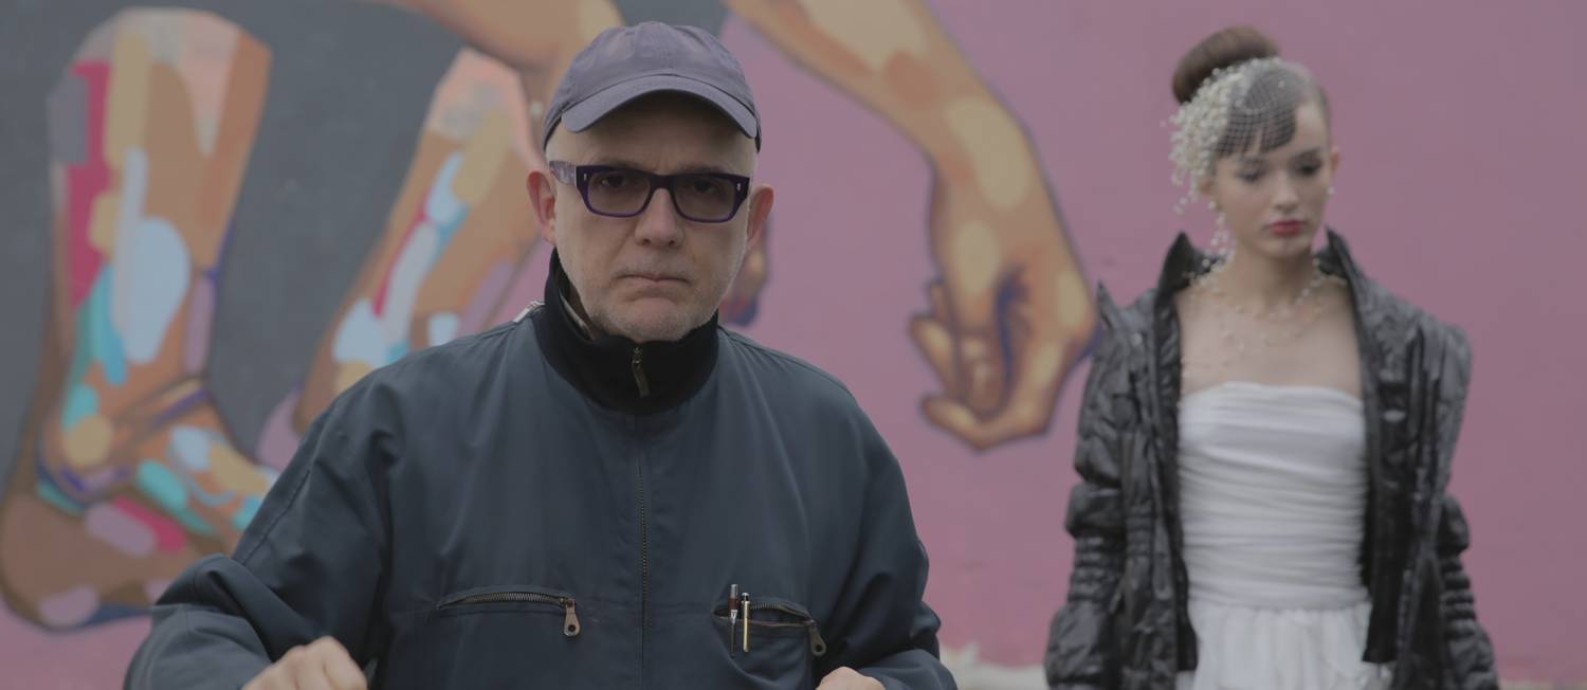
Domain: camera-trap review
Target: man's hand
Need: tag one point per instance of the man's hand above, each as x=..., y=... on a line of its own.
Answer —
x=323, y=665
x=848, y=679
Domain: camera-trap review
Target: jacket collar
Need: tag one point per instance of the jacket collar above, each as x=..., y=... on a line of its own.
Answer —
x=614, y=371
x=1185, y=261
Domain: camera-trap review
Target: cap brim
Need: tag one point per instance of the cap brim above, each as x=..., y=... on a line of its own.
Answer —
x=589, y=111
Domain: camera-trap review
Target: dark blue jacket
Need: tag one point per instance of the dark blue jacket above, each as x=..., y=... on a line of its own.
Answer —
x=527, y=508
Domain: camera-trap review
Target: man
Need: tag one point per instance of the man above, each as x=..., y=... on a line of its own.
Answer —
x=608, y=492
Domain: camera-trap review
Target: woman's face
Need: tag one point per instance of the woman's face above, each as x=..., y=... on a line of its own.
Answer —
x=1273, y=202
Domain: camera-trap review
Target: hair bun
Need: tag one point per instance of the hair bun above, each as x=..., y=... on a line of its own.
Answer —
x=1225, y=48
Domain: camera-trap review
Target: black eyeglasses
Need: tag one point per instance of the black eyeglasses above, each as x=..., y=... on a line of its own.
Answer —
x=708, y=197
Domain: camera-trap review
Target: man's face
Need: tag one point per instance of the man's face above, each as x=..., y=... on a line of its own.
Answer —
x=658, y=274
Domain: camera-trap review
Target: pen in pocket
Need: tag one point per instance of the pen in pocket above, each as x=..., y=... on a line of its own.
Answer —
x=732, y=616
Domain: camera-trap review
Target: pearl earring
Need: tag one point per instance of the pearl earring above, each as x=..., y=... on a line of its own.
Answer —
x=1222, y=240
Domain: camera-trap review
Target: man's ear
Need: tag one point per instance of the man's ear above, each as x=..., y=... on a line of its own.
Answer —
x=760, y=201
x=542, y=188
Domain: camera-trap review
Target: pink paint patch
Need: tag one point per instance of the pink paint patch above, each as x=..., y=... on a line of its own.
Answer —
x=85, y=182
x=70, y=608
x=128, y=534
x=486, y=296
x=200, y=311
x=379, y=303
x=277, y=440
x=169, y=537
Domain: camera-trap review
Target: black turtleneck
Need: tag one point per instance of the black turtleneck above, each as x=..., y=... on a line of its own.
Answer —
x=614, y=371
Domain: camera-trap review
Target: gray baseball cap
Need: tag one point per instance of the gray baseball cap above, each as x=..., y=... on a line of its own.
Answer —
x=625, y=63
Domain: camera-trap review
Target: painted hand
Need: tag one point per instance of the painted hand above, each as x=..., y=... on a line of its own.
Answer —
x=1009, y=317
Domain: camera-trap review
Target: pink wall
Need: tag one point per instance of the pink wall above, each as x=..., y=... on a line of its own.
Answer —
x=1463, y=155
x=1459, y=125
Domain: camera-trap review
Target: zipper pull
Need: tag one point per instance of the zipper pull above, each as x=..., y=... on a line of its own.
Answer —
x=639, y=373
x=818, y=646
x=570, y=619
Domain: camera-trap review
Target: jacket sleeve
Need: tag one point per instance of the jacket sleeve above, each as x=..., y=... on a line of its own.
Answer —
x=1470, y=651
x=309, y=565
x=884, y=629
x=1081, y=647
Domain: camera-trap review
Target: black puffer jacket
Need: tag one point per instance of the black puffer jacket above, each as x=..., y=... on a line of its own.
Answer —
x=1125, y=624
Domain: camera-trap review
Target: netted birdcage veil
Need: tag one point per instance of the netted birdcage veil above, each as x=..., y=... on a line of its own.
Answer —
x=1245, y=107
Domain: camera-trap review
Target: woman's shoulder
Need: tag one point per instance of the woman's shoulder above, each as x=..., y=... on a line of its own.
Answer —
x=1402, y=330
x=1126, y=327
x=1123, y=326
x=1388, y=316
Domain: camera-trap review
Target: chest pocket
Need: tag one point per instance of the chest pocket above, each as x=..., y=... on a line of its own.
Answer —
x=771, y=641
x=530, y=601
x=498, y=637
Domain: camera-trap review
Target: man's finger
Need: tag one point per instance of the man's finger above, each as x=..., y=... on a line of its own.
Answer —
x=836, y=679
x=343, y=672
x=308, y=673
x=310, y=669
x=272, y=678
x=337, y=665
x=847, y=679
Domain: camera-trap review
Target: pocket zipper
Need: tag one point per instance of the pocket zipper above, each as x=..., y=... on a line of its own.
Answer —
x=570, y=616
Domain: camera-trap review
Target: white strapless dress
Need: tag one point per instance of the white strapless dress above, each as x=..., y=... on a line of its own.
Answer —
x=1273, y=501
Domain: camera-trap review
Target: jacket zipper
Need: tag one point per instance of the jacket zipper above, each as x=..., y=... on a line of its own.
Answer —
x=640, y=379
x=570, y=616
x=644, y=539
x=642, y=382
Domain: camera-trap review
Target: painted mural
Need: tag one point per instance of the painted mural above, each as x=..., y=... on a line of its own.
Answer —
x=316, y=190
x=127, y=472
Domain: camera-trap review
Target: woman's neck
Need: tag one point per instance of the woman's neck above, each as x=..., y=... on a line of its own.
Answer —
x=1265, y=284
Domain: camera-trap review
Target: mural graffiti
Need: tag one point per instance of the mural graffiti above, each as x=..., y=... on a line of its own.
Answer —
x=127, y=470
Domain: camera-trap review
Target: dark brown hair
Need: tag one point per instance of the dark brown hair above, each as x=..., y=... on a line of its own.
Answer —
x=1264, y=114
x=1225, y=48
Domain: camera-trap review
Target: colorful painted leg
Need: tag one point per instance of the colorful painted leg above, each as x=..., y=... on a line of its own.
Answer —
x=457, y=234
x=1011, y=313
x=151, y=129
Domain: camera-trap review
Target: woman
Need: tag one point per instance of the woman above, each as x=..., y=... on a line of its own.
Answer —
x=1266, y=436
